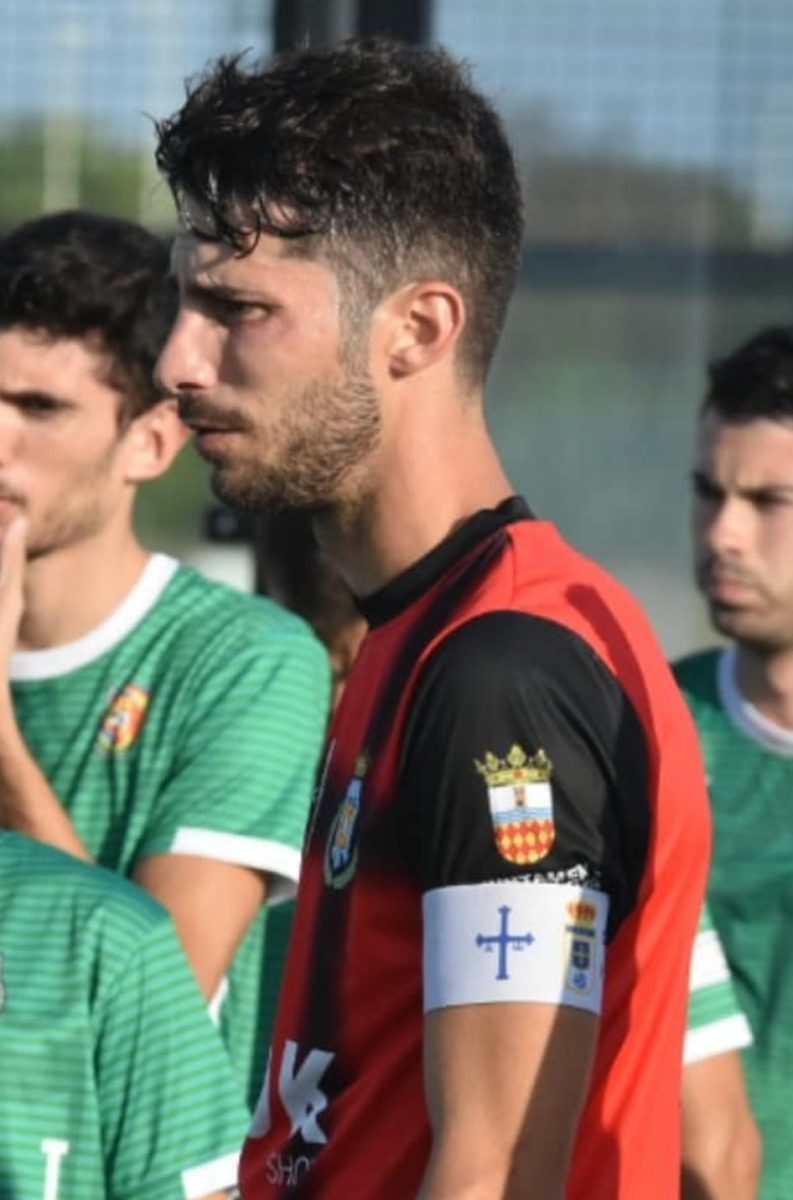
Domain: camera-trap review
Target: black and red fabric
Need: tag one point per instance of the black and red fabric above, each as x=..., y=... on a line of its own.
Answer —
x=504, y=654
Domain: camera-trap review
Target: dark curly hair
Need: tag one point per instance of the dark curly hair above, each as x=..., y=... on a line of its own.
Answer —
x=376, y=156
x=754, y=381
x=81, y=275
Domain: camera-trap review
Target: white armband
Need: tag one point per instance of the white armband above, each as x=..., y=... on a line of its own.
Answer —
x=516, y=939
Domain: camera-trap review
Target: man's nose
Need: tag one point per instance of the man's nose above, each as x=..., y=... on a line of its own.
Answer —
x=10, y=433
x=188, y=360
x=729, y=526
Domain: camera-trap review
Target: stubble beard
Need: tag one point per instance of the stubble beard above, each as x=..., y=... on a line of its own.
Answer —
x=63, y=525
x=763, y=633
x=326, y=434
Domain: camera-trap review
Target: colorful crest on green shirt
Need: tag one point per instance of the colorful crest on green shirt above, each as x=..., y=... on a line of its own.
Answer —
x=341, y=852
x=124, y=718
x=521, y=804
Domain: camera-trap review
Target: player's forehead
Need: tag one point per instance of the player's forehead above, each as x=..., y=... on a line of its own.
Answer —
x=196, y=256
x=754, y=452
x=34, y=359
x=199, y=260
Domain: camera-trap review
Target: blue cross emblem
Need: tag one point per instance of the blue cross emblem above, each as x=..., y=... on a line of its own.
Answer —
x=504, y=940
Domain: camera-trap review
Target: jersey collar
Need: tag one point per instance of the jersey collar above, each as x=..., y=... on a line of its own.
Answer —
x=402, y=591
x=58, y=660
x=749, y=720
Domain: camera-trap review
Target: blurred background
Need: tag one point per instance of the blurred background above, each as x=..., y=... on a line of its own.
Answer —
x=655, y=141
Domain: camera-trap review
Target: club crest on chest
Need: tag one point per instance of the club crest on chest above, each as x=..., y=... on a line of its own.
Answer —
x=341, y=850
x=124, y=719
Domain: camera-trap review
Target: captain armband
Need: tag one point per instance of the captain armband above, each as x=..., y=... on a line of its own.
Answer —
x=514, y=940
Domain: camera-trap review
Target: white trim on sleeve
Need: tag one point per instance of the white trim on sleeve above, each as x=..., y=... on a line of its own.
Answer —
x=215, y=1006
x=212, y=1176
x=708, y=964
x=279, y=861
x=514, y=940
x=719, y=1037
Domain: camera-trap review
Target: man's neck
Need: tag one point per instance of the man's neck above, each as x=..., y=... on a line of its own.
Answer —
x=71, y=591
x=421, y=491
x=766, y=682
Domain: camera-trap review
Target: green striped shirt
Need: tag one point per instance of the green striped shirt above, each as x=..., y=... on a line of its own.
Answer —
x=750, y=770
x=716, y=1022
x=190, y=721
x=114, y=1085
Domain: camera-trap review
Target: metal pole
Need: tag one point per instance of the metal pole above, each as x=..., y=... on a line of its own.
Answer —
x=304, y=23
x=63, y=122
x=407, y=20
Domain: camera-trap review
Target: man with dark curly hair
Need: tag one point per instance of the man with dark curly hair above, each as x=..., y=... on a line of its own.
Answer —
x=486, y=987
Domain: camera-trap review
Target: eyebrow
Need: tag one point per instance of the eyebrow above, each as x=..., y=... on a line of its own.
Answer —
x=219, y=291
x=35, y=396
x=702, y=479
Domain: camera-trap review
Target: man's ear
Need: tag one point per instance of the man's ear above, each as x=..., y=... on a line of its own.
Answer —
x=423, y=323
x=153, y=441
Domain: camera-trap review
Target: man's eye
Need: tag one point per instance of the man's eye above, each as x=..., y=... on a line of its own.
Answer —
x=237, y=310
x=38, y=406
x=769, y=502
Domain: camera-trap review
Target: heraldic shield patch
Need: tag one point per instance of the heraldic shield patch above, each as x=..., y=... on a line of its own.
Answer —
x=521, y=804
x=341, y=851
x=124, y=718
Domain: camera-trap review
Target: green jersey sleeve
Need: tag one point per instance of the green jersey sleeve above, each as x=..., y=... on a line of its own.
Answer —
x=172, y=1119
x=246, y=735
x=716, y=1023
x=114, y=1084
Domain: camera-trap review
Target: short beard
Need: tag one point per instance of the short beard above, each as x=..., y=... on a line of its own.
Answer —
x=328, y=431
x=763, y=639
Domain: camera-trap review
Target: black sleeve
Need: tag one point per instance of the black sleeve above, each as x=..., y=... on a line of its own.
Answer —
x=506, y=680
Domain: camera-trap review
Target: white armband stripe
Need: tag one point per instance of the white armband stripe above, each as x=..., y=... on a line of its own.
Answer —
x=514, y=940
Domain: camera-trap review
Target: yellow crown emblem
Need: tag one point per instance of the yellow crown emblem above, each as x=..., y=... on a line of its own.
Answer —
x=582, y=912
x=516, y=767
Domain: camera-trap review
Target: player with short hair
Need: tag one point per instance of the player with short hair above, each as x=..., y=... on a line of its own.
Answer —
x=487, y=977
x=741, y=696
x=163, y=725
x=114, y=1083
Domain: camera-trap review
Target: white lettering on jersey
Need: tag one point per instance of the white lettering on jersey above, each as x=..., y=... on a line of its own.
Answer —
x=299, y=1093
x=54, y=1151
x=286, y=1171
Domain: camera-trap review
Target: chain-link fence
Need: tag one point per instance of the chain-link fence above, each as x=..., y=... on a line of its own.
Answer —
x=656, y=144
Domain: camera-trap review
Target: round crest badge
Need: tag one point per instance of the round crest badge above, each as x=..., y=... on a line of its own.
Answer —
x=341, y=851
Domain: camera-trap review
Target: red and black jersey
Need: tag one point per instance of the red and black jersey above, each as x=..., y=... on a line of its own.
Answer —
x=510, y=723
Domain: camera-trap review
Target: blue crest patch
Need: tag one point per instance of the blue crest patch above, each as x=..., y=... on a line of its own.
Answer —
x=582, y=955
x=341, y=851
